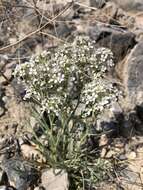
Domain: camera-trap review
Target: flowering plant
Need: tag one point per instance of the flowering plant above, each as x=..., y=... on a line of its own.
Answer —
x=64, y=80
x=72, y=72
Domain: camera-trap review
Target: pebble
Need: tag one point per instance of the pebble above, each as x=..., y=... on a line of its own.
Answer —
x=51, y=181
x=103, y=152
x=103, y=140
x=110, y=154
x=131, y=156
x=8, y=73
x=122, y=157
x=30, y=152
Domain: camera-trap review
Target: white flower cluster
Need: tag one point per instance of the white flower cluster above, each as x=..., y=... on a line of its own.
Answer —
x=98, y=95
x=58, y=76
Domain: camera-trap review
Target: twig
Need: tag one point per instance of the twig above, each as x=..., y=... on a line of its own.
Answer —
x=86, y=6
x=52, y=36
x=38, y=30
x=39, y=18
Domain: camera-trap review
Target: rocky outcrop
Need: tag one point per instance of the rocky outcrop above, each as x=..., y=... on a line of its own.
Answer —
x=113, y=37
x=21, y=174
x=133, y=76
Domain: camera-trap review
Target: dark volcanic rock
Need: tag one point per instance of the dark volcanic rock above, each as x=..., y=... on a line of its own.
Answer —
x=21, y=174
x=63, y=30
x=133, y=75
x=115, y=38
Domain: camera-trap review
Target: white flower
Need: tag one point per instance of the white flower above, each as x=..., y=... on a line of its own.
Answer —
x=56, y=77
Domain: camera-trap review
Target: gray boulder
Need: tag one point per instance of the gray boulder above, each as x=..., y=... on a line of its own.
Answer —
x=54, y=180
x=21, y=174
x=113, y=37
x=133, y=76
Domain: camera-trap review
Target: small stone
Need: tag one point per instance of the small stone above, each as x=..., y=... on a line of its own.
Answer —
x=103, y=152
x=30, y=152
x=121, y=145
x=129, y=176
x=103, y=140
x=110, y=154
x=5, y=99
x=122, y=157
x=55, y=180
x=131, y=156
x=6, y=78
x=8, y=73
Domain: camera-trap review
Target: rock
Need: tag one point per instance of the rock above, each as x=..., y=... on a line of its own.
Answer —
x=132, y=5
x=97, y=3
x=8, y=73
x=2, y=111
x=122, y=157
x=21, y=174
x=19, y=88
x=54, y=180
x=6, y=78
x=129, y=176
x=113, y=37
x=127, y=123
x=132, y=76
x=103, y=140
x=30, y=152
x=110, y=154
x=131, y=156
x=103, y=152
x=64, y=30
x=107, y=125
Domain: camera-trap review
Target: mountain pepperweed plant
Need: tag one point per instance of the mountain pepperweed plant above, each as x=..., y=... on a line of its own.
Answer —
x=69, y=84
